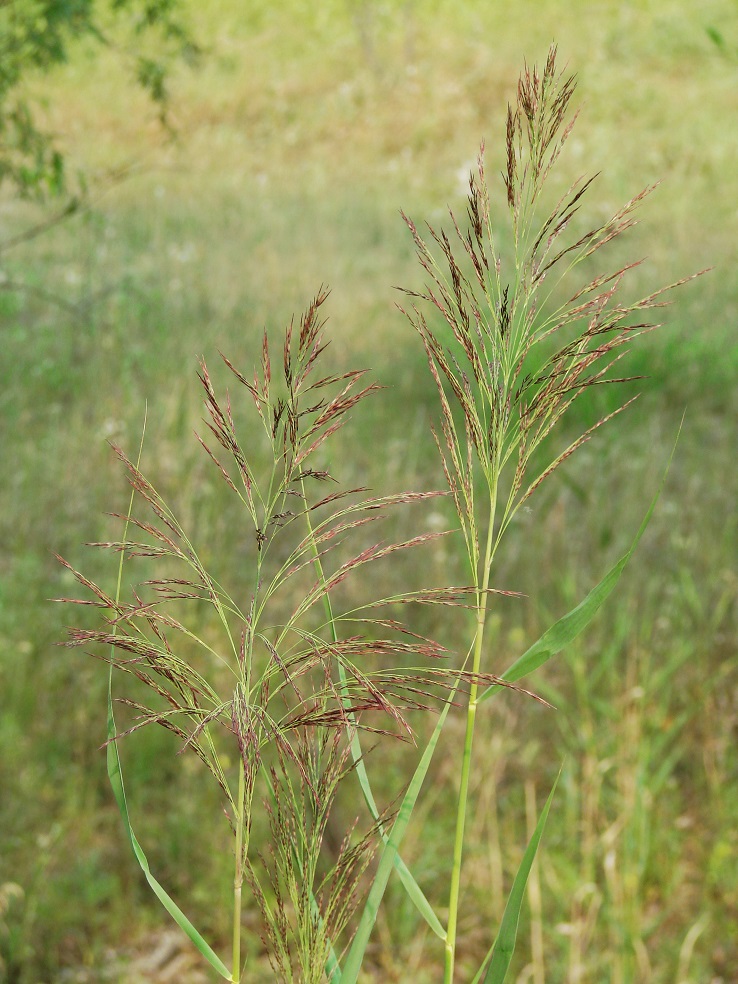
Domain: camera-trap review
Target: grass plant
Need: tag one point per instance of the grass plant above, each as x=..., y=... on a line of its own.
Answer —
x=279, y=684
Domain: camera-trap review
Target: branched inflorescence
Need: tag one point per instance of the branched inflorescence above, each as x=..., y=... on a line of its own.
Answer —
x=300, y=689
x=519, y=354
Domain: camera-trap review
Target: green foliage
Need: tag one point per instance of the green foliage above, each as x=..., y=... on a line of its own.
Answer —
x=36, y=35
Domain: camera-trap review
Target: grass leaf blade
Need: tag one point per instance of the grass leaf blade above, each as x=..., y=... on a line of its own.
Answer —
x=116, y=781
x=501, y=953
x=567, y=628
x=414, y=891
x=115, y=775
x=387, y=861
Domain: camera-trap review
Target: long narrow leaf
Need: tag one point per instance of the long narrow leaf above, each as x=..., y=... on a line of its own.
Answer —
x=417, y=897
x=414, y=891
x=498, y=959
x=115, y=776
x=389, y=853
x=563, y=632
x=116, y=781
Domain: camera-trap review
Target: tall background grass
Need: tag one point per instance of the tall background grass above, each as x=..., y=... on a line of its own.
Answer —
x=304, y=131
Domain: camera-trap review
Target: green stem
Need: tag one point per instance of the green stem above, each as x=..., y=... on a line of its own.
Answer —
x=357, y=754
x=453, y=903
x=238, y=877
x=244, y=686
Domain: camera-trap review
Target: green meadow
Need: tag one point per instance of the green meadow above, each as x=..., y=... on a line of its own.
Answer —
x=294, y=144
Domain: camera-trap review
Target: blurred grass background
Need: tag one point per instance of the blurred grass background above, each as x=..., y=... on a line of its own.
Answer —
x=300, y=136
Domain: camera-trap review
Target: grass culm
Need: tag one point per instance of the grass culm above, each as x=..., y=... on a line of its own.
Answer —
x=287, y=685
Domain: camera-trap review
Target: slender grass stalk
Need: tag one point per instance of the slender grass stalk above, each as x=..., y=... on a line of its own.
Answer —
x=466, y=761
x=238, y=877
